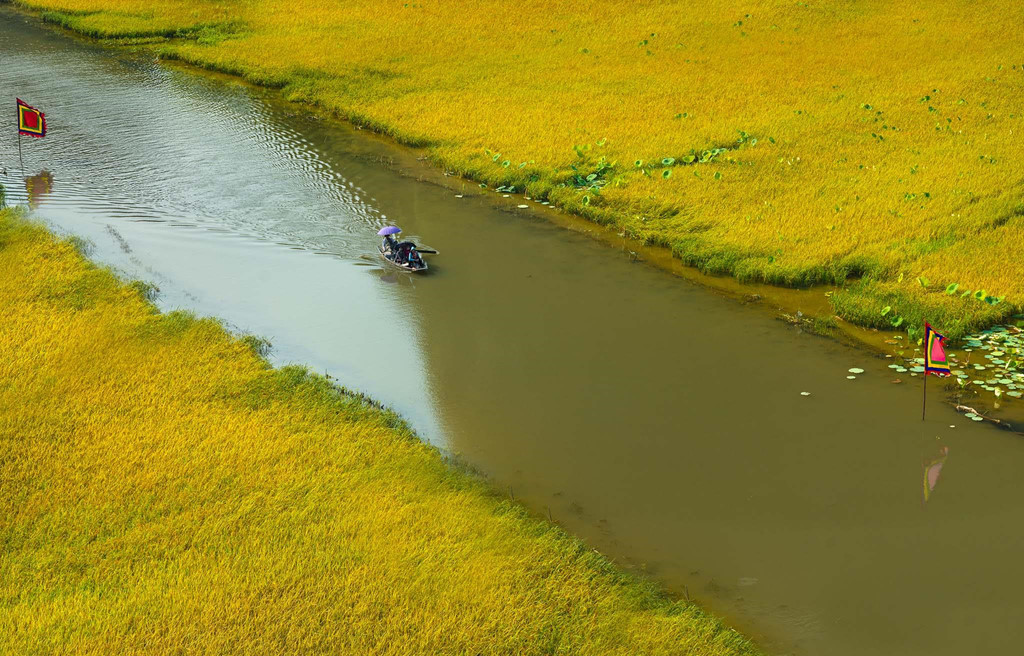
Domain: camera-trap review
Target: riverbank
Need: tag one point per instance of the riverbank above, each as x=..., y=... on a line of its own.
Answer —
x=168, y=490
x=689, y=132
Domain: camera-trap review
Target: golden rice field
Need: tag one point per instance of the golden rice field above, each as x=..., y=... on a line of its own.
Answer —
x=782, y=141
x=165, y=491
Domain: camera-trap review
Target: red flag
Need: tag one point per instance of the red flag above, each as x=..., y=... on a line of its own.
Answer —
x=31, y=121
x=935, y=361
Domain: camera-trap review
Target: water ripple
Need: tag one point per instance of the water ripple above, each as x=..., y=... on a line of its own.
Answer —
x=146, y=143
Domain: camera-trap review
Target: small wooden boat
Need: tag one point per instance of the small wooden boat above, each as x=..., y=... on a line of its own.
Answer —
x=413, y=265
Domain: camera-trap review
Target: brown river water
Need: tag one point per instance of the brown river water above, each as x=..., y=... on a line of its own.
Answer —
x=661, y=422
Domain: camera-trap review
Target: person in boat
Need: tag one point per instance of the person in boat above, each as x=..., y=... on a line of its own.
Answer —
x=389, y=244
x=404, y=252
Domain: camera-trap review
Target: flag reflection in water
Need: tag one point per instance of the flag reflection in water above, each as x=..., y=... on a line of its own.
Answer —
x=38, y=187
x=932, y=469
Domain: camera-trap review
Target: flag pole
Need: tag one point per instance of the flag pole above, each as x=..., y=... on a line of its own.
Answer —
x=924, y=400
x=18, y=123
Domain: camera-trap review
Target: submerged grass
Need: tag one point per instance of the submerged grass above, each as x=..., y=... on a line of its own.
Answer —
x=166, y=491
x=779, y=141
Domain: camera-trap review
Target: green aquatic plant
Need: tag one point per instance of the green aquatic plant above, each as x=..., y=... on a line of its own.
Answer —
x=745, y=139
x=589, y=174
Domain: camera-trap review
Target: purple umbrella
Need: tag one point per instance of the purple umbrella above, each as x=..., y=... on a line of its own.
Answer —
x=389, y=230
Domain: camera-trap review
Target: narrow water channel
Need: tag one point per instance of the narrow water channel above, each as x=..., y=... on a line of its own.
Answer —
x=662, y=423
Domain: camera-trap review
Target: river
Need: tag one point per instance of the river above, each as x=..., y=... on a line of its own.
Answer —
x=661, y=422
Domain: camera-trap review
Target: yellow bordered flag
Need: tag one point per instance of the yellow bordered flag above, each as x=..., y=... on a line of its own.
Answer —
x=31, y=121
x=935, y=361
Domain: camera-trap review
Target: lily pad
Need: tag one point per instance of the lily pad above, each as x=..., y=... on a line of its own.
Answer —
x=805, y=393
x=977, y=418
x=856, y=370
x=851, y=377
